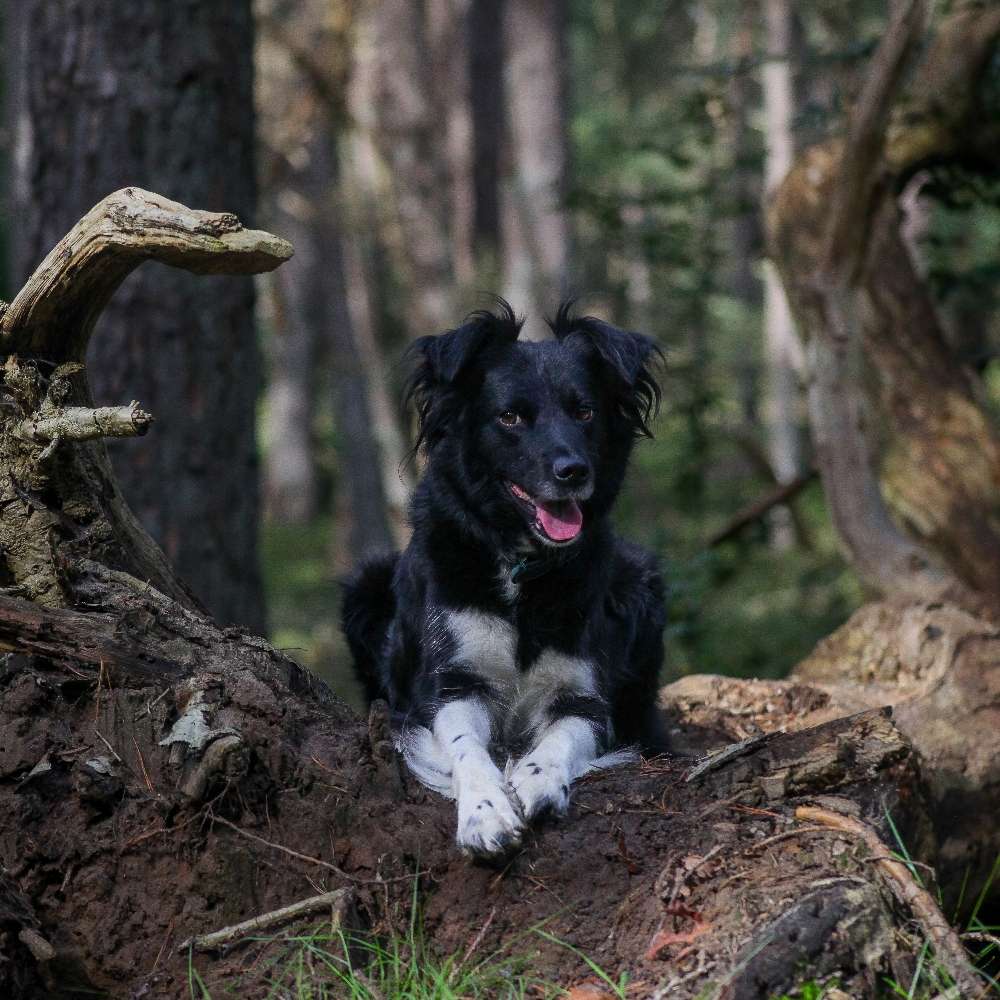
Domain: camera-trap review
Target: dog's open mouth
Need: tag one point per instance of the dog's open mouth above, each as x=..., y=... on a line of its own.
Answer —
x=556, y=520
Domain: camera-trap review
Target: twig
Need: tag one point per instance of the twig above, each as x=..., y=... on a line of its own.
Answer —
x=338, y=900
x=784, y=493
x=681, y=879
x=97, y=704
x=142, y=766
x=982, y=937
x=148, y=710
x=163, y=946
x=947, y=946
x=477, y=940
x=717, y=758
x=114, y=752
x=378, y=880
x=798, y=831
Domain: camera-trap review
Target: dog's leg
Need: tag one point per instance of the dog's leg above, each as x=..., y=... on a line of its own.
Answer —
x=487, y=822
x=565, y=749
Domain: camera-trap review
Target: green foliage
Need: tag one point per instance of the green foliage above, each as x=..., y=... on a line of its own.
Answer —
x=811, y=990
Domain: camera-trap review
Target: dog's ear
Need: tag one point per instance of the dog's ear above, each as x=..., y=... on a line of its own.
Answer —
x=438, y=364
x=626, y=362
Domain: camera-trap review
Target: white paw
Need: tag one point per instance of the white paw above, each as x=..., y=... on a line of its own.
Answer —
x=487, y=823
x=540, y=785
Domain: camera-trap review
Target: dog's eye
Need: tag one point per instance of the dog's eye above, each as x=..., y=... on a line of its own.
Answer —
x=509, y=418
x=584, y=414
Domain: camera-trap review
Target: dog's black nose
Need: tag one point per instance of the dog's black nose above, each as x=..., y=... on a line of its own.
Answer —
x=570, y=470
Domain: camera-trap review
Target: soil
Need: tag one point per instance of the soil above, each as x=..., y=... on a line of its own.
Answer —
x=665, y=878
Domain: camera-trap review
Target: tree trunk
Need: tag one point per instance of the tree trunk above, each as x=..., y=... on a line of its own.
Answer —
x=835, y=238
x=485, y=47
x=745, y=190
x=536, y=238
x=160, y=95
x=883, y=380
x=411, y=135
x=298, y=295
x=782, y=354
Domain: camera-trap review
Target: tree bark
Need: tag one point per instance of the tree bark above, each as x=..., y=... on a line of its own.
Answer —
x=835, y=238
x=411, y=136
x=537, y=233
x=159, y=95
x=485, y=32
x=297, y=320
x=782, y=352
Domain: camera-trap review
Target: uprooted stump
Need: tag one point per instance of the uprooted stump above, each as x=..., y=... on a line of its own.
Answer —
x=148, y=806
x=173, y=791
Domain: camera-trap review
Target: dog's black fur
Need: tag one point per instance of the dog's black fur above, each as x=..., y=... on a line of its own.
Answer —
x=580, y=400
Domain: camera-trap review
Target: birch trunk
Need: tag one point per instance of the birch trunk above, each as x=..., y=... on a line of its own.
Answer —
x=782, y=354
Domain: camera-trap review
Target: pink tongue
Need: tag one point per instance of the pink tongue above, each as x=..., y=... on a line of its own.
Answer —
x=561, y=520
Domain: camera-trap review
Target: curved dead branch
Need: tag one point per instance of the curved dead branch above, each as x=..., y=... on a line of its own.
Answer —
x=54, y=313
x=52, y=518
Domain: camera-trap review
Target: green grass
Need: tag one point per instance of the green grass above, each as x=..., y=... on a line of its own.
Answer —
x=321, y=965
x=326, y=963
x=811, y=990
x=929, y=978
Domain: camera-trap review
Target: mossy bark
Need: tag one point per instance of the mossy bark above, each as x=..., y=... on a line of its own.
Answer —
x=897, y=418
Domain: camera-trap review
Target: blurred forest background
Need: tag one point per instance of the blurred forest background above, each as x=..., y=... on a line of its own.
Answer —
x=418, y=155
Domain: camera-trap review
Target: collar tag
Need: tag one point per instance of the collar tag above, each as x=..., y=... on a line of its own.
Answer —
x=529, y=569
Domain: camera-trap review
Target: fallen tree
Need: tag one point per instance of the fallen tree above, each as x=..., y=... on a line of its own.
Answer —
x=170, y=784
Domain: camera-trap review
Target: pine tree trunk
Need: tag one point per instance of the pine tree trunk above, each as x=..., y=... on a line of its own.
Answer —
x=485, y=48
x=537, y=235
x=157, y=95
x=410, y=132
x=298, y=308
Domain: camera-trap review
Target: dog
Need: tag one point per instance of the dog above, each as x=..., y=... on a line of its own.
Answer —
x=516, y=623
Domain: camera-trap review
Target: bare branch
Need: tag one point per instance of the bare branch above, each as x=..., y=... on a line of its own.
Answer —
x=948, y=950
x=81, y=423
x=55, y=311
x=858, y=174
x=784, y=493
x=337, y=902
x=943, y=115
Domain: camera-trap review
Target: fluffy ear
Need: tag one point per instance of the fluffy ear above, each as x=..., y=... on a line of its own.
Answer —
x=438, y=363
x=626, y=360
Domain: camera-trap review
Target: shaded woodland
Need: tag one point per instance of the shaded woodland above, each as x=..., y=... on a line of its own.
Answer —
x=799, y=203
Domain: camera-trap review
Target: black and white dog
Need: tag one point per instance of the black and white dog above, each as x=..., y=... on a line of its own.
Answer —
x=516, y=625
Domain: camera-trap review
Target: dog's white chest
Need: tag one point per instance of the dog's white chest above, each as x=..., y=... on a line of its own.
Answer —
x=488, y=645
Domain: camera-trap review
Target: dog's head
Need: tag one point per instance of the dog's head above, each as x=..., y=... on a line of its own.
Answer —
x=535, y=436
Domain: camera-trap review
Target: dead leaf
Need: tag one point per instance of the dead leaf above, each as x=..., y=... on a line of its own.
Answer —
x=664, y=939
x=589, y=991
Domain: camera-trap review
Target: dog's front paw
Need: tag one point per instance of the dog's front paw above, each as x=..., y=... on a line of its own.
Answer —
x=540, y=786
x=488, y=824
